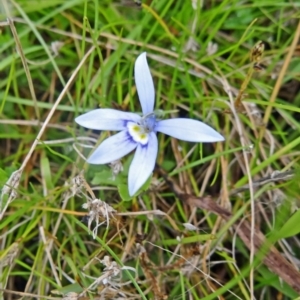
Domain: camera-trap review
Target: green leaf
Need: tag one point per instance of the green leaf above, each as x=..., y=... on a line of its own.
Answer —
x=291, y=227
x=3, y=177
x=74, y=287
x=282, y=215
x=269, y=278
x=123, y=191
x=57, y=153
x=168, y=165
x=46, y=171
x=106, y=177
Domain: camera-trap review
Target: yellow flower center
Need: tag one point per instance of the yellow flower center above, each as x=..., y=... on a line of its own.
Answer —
x=138, y=133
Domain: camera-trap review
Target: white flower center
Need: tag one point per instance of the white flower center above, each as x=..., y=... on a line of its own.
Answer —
x=138, y=133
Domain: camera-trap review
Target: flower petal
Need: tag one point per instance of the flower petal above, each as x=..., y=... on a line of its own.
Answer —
x=144, y=83
x=106, y=119
x=188, y=130
x=142, y=164
x=113, y=148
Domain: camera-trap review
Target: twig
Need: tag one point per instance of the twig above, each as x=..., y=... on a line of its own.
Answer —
x=276, y=176
x=244, y=143
x=31, y=295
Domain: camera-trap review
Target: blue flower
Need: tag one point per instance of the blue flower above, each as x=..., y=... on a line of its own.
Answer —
x=139, y=132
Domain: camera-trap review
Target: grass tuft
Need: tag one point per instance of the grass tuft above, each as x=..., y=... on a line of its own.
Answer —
x=215, y=220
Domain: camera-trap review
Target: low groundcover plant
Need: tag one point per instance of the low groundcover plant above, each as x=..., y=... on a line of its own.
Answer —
x=139, y=132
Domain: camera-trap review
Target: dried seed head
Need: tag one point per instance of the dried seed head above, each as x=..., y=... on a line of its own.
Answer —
x=75, y=187
x=110, y=285
x=259, y=67
x=212, y=48
x=116, y=167
x=191, y=45
x=98, y=209
x=190, y=227
x=56, y=46
x=257, y=52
